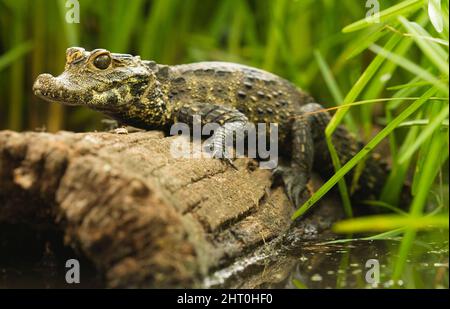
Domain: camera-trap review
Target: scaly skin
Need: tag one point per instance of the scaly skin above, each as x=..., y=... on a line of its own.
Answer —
x=153, y=96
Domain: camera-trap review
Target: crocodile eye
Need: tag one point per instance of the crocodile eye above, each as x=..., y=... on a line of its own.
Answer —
x=102, y=62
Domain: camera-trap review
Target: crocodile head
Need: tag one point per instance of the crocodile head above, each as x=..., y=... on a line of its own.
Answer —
x=119, y=85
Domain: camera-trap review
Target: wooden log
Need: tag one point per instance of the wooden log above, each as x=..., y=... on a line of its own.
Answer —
x=142, y=217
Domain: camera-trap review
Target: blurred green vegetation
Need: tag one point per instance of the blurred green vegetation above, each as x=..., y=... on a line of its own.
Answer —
x=391, y=77
x=280, y=36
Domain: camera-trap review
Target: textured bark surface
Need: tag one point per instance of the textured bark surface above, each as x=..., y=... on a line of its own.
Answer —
x=142, y=217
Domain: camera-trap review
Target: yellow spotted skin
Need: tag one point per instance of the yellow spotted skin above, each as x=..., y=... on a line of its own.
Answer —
x=148, y=95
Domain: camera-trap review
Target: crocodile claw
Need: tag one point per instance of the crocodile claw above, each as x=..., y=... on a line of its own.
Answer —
x=294, y=183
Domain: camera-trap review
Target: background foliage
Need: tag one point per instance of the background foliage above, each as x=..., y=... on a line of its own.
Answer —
x=280, y=36
x=390, y=77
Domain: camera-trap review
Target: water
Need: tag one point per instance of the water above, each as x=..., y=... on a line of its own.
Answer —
x=313, y=264
x=339, y=265
x=347, y=266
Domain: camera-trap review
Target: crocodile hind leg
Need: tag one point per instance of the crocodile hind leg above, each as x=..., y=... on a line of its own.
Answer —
x=307, y=128
x=310, y=150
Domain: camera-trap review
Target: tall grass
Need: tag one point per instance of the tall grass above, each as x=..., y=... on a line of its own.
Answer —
x=430, y=146
x=276, y=35
x=390, y=78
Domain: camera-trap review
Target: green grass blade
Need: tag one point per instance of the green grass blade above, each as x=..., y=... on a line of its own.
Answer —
x=421, y=122
x=337, y=118
x=384, y=205
x=409, y=85
x=382, y=223
x=391, y=192
x=329, y=79
x=345, y=196
x=298, y=284
x=365, y=151
x=358, y=87
x=402, y=8
x=410, y=66
x=389, y=235
x=375, y=88
x=426, y=134
x=436, y=18
x=363, y=42
x=429, y=172
x=430, y=49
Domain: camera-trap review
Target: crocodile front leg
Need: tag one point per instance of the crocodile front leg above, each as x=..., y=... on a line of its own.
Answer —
x=230, y=121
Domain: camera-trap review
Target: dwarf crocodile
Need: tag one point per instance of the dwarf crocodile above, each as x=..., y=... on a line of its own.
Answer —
x=148, y=95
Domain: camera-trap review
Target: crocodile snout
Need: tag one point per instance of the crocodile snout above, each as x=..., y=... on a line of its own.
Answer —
x=56, y=89
x=42, y=86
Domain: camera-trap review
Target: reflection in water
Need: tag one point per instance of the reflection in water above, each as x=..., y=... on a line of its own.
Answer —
x=338, y=265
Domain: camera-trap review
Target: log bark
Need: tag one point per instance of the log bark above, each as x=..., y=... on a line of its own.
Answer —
x=142, y=217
